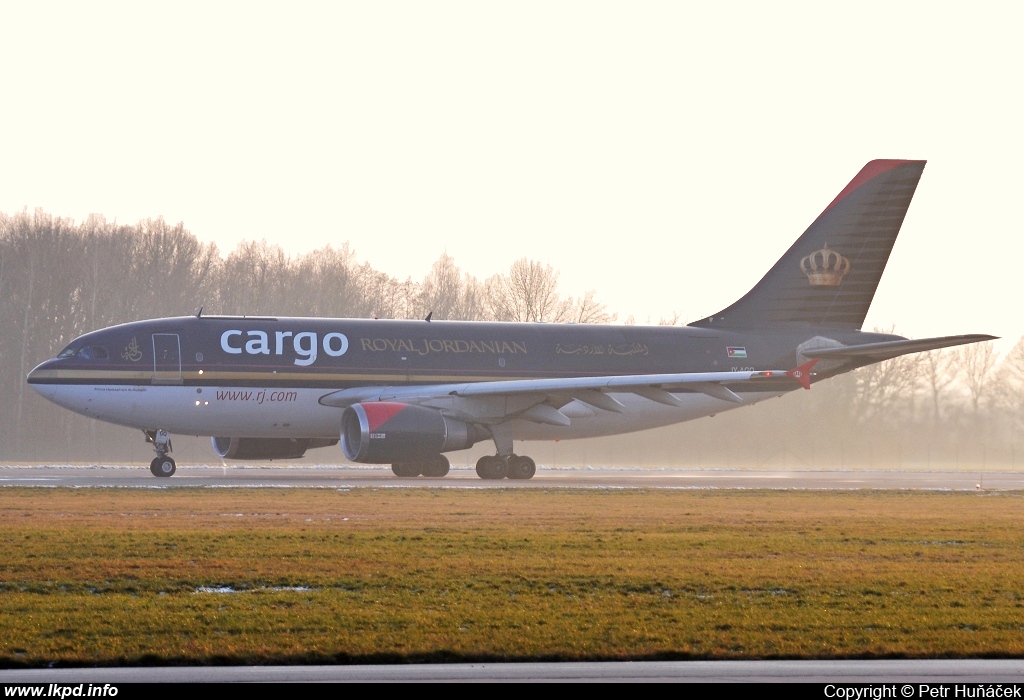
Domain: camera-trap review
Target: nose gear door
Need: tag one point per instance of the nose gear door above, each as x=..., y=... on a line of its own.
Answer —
x=166, y=358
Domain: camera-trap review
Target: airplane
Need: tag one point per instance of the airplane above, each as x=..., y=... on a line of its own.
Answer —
x=405, y=392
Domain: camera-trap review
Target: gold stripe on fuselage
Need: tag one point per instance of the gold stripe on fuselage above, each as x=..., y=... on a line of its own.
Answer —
x=146, y=377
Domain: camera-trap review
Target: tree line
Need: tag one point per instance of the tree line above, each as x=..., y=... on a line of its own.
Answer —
x=960, y=408
x=59, y=279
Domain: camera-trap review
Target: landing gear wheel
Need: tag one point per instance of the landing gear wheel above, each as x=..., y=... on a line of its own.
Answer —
x=162, y=466
x=436, y=467
x=488, y=467
x=520, y=467
x=406, y=470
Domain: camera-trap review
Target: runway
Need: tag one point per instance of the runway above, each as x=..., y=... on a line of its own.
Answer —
x=325, y=476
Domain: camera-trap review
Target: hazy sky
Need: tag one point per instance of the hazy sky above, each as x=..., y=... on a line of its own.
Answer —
x=663, y=154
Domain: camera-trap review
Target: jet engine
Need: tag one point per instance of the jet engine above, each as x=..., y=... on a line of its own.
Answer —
x=266, y=448
x=382, y=432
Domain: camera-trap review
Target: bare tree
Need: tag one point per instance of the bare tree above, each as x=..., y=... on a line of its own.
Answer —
x=886, y=388
x=449, y=294
x=386, y=296
x=589, y=310
x=528, y=293
x=441, y=290
x=255, y=280
x=328, y=283
x=474, y=300
x=938, y=373
x=1009, y=385
x=1012, y=366
x=976, y=364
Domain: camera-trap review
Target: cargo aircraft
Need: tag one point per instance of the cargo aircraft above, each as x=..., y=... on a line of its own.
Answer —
x=406, y=392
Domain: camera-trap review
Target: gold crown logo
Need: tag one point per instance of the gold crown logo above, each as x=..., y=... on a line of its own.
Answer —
x=825, y=267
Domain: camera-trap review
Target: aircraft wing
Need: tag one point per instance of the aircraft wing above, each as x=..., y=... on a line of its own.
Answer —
x=876, y=352
x=524, y=397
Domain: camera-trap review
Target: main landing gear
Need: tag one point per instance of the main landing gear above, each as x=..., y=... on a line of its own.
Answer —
x=513, y=467
x=435, y=467
x=487, y=467
x=162, y=466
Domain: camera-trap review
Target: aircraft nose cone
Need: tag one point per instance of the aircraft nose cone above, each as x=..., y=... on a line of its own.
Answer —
x=37, y=379
x=49, y=381
x=39, y=373
x=34, y=376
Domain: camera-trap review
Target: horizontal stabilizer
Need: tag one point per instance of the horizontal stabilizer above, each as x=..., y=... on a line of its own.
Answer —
x=876, y=352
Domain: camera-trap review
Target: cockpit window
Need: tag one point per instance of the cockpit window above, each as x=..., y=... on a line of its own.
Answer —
x=84, y=352
x=93, y=352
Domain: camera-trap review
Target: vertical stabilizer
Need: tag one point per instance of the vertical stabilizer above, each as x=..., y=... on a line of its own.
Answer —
x=829, y=276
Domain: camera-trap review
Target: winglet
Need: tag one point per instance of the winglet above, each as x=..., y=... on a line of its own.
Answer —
x=803, y=373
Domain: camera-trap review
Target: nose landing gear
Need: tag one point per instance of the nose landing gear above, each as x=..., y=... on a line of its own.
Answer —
x=162, y=466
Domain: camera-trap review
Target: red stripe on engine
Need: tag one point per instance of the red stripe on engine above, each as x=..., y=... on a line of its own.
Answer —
x=379, y=413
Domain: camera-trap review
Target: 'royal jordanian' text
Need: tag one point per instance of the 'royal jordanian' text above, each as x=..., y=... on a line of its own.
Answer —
x=422, y=346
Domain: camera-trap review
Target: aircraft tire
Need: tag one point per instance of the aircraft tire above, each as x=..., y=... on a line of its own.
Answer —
x=437, y=467
x=488, y=467
x=406, y=470
x=162, y=467
x=521, y=467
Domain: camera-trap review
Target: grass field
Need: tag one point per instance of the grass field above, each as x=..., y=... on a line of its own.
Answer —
x=96, y=576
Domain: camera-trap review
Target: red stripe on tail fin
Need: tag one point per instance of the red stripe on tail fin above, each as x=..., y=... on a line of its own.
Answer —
x=867, y=173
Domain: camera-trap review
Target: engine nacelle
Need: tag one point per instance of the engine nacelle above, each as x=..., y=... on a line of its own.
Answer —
x=266, y=448
x=380, y=432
